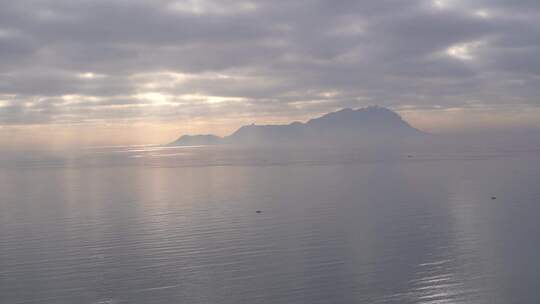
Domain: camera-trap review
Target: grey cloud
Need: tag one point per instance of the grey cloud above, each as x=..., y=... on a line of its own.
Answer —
x=275, y=55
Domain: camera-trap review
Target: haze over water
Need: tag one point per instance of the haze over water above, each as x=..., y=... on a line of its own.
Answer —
x=268, y=152
x=179, y=225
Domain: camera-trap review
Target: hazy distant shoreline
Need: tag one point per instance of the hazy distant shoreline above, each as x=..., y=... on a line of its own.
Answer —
x=346, y=126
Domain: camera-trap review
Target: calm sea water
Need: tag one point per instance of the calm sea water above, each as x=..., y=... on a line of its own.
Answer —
x=157, y=225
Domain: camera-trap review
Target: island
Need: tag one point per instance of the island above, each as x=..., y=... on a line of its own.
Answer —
x=346, y=126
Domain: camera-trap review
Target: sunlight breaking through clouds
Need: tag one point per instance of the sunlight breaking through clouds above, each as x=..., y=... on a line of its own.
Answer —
x=483, y=14
x=209, y=7
x=157, y=98
x=464, y=51
x=90, y=75
x=204, y=59
x=210, y=99
x=441, y=4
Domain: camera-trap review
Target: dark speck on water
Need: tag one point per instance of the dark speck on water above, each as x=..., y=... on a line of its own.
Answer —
x=258, y=211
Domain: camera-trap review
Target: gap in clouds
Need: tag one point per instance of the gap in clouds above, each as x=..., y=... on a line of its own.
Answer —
x=203, y=66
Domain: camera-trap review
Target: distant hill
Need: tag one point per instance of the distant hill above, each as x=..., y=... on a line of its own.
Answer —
x=343, y=126
x=197, y=140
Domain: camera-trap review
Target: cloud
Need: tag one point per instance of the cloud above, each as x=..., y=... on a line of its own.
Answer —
x=87, y=61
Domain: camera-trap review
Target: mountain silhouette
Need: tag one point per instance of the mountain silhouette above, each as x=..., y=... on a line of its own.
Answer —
x=198, y=140
x=344, y=126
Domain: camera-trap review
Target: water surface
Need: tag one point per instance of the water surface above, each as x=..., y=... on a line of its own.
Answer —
x=179, y=225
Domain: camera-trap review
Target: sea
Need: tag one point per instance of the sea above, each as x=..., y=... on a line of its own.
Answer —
x=153, y=224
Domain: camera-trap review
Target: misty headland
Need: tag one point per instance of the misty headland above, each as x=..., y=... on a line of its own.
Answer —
x=346, y=127
x=371, y=127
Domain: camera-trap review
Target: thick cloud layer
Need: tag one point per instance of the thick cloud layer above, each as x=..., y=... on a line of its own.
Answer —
x=65, y=61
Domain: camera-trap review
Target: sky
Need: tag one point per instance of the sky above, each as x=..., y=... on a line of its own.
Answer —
x=95, y=72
